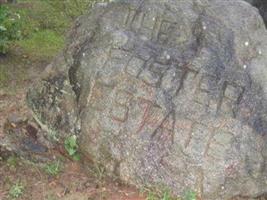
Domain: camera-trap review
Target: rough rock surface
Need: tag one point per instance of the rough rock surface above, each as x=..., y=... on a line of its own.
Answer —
x=23, y=138
x=262, y=6
x=169, y=92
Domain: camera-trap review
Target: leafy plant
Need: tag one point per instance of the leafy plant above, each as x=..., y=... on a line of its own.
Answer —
x=16, y=190
x=71, y=147
x=12, y=162
x=151, y=196
x=190, y=195
x=53, y=169
x=164, y=196
x=9, y=28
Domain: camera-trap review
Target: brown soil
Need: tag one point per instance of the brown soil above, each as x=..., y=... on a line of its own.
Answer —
x=73, y=183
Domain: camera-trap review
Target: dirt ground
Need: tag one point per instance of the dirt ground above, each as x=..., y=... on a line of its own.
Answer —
x=73, y=182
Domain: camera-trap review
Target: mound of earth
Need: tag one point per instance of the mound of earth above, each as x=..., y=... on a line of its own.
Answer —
x=165, y=93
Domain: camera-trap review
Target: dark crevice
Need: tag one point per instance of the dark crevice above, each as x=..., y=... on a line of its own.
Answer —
x=76, y=64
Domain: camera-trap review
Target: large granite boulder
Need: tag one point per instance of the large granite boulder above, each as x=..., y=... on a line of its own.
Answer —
x=165, y=93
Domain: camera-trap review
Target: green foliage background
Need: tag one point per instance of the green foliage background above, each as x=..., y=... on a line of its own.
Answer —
x=9, y=28
x=37, y=30
x=44, y=24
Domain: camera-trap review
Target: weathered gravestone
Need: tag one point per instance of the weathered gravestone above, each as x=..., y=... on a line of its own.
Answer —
x=169, y=92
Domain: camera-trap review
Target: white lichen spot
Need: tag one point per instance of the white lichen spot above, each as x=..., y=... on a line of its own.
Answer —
x=204, y=27
x=260, y=52
x=168, y=57
x=246, y=43
x=65, y=83
x=154, y=18
x=223, y=187
x=83, y=54
x=144, y=38
x=57, y=109
x=245, y=66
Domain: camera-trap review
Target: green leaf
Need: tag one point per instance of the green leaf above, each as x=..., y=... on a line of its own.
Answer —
x=2, y=28
x=190, y=195
x=166, y=196
x=76, y=157
x=9, y=28
x=72, y=141
x=71, y=151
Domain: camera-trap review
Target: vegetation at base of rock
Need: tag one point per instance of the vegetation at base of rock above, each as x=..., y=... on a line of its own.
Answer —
x=159, y=193
x=166, y=196
x=53, y=169
x=12, y=161
x=16, y=190
x=71, y=146
x=190, y=195
x=9, y=28
x=99, y=172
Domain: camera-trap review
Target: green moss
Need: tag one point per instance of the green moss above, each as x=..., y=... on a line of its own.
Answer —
x=44, y=44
